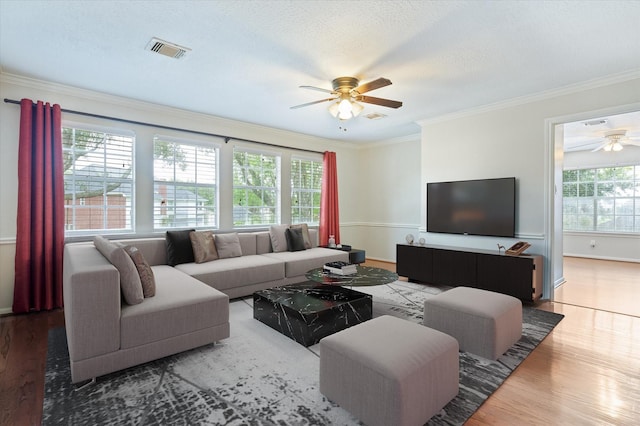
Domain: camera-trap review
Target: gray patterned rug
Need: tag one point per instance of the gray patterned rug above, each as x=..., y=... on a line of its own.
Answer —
x=258, y=376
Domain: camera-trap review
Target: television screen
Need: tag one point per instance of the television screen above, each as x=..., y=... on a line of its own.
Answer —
x=472, y=207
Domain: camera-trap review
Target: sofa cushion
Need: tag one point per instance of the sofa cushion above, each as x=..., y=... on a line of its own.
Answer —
x=228, y=245
x=305, y=234
x=182, y=305
x=179, y=248
x=295, y=241
x=145, y=272
x=299, y=262
x=278, y=238
x=236, y=271
x=130, y=283
x=204, y=246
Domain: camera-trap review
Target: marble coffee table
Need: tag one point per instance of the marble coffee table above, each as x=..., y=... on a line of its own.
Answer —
x=366, y=276
x=308, y=311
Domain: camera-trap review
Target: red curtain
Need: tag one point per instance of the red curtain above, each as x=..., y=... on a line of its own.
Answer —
x=40, y=225
x=329, y=212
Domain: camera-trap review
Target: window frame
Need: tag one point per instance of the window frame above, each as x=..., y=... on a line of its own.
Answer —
x=277, y=214
x=195, y=144
x=593, y=203
x=300, y=189
x=79, y=204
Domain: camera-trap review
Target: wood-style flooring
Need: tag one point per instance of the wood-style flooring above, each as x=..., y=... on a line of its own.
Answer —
x=586, y=372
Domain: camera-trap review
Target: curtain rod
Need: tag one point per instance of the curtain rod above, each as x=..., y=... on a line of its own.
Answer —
x=197, y=132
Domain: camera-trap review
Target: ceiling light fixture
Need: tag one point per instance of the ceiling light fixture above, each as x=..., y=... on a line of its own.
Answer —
x=614, y=142
x=345, y=108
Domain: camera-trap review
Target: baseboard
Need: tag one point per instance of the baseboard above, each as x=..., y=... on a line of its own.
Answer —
x=616, y=259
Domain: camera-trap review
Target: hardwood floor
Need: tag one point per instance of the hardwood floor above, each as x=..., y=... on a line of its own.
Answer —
x=587, y=371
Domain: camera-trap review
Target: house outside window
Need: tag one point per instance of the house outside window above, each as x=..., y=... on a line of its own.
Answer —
x=605, y=199
x=306, y=184
x=98, y=180
x=185, y=184
x=256, y=188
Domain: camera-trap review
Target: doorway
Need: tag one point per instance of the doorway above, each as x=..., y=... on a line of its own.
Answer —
x=586, y=142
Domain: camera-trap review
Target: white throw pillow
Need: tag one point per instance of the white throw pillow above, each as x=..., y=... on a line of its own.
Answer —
x=278, y=238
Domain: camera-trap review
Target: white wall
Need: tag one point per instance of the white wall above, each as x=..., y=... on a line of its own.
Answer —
x=512, y=139
x=389, y=197
x=350, y=177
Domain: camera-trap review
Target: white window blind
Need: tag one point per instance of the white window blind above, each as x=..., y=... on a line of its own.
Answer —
x=256, y=188
x=98, y=180
x=185, y=184
x=306, y=184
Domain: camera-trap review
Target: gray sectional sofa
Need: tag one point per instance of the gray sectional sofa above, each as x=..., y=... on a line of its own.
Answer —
x=190, y=307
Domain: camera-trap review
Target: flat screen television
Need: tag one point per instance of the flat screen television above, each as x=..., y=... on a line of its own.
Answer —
x=473, y=207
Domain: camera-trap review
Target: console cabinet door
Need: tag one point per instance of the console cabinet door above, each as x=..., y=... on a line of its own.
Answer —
x=414, y=262
x=512, y=275
x=454, y=268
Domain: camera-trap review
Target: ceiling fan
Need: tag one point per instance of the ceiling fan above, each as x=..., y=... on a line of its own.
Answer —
x=615, y=139
x=347, y=93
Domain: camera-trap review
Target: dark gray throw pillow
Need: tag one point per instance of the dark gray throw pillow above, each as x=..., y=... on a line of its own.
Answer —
x=179, y=248
x=295, y=240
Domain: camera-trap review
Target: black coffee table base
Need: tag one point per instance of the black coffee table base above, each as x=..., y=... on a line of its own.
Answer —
x=309, y=311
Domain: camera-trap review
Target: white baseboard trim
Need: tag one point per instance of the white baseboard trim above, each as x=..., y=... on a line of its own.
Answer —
x=617, y=259
x=4, y=311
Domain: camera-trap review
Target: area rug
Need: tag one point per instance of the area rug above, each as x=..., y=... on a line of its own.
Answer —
x=258, y=376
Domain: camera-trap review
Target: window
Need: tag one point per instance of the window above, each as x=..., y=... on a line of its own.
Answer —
x=306, y=183
x=185, y=178
x=256, y=188
x=98, y=180
x=605, y=199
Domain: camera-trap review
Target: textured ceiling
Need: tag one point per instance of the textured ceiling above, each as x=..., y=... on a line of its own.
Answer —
x=249, y=57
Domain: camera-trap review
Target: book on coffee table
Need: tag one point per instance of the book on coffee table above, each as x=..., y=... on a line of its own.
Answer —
x=340, y=268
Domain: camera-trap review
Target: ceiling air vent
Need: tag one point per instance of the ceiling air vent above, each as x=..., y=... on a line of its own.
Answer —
x=595, y=122
x=375, y=116
x=167, y=49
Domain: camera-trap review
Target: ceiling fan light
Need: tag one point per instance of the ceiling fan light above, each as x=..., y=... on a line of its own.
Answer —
x=608, y=147
x=617, y=146
x=345, y=110
x=356, y=108
x=333, y=109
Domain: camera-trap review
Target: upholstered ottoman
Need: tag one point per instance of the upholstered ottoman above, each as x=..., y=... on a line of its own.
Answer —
x=485, y=323
x=389, y=371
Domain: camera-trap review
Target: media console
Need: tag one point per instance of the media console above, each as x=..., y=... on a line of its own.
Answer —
x=518, y=276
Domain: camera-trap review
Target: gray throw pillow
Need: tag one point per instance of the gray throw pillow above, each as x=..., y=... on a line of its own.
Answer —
x=147, y=279
x=104, y=246
x=305, y=234
x=228, y=245
x=130, y=284
x=204, y=246
x=278, y=238
x=295, y=242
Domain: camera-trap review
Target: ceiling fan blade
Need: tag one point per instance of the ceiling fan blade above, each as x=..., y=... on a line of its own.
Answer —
x=372, y=85
x=319, y=89
x=379, y=101
x=631, y=142
x=312, y=103
x=601, y=146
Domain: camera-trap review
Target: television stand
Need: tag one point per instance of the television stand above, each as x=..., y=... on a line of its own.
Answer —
x=517, y=276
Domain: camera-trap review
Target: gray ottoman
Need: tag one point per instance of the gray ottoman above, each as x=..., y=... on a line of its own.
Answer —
x=389, y=371
x=485, y=323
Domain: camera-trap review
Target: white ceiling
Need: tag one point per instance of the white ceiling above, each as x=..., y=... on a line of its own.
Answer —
x=249, y=57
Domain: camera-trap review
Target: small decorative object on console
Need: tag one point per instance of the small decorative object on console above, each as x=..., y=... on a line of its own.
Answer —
x=332, y=241
x=340, y=268
x=409, y=238
x=421, y=241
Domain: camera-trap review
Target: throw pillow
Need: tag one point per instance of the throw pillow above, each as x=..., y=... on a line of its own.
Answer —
x=179, y=249
x=130, y=284
x=305, y=234
x=204, y=246
x=278, y=239
x=295, y=242
x=228, y=245
x=104, y=246
x=147, y=279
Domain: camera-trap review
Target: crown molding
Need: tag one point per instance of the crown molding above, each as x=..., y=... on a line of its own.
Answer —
x=536, y=97
x=246, y=129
